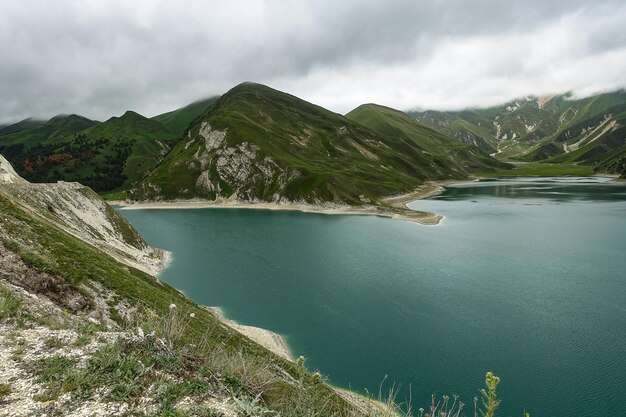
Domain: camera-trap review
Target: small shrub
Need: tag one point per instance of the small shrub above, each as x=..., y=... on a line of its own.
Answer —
x=253, y=407
x=445, y=407
x=50, y=369
x=5, y=391
x=490, y=399
x=53, y=342
x=82, y=340
x=57, y=373
x=11, y=306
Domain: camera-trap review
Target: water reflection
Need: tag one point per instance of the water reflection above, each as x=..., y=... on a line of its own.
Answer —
x=551, y=189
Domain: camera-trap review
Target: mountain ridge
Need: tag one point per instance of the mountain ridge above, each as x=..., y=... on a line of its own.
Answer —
x=542, y=129
x=260, y=144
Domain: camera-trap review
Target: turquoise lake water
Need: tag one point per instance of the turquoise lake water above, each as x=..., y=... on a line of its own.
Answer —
x=524, y=277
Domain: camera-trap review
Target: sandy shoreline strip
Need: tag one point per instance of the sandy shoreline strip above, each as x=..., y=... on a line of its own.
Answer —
x=266, y=338
x=395, y=206
x=424, y=191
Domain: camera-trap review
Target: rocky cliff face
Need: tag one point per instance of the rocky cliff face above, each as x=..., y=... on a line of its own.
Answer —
x=78, y=210
x=8, y=174
x=241, y=166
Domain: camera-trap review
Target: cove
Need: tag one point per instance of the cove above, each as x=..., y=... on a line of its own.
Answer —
x=524, y=277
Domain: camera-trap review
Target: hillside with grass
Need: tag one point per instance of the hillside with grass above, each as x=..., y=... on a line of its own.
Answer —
x=179, y=120
x=552, y=129
x=105, y=156
x=435, y=148
x=259, y=144
x=21, y=126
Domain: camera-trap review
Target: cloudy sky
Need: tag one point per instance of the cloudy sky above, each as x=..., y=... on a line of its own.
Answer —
x=99, y=58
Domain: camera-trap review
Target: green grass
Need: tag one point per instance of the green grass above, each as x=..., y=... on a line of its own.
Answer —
x=10, y=305
x=118, y=195
x=5, y=391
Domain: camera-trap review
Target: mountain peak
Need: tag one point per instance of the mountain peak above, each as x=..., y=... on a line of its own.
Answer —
x=129, y=114
x=60, y=118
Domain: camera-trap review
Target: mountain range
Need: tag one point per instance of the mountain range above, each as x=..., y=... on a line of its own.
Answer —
x=548, y=129
x=255, y=143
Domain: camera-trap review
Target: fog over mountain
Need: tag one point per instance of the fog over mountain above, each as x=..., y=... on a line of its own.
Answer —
x=99, y=58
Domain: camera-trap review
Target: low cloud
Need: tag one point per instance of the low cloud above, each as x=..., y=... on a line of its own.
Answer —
x=100, y=58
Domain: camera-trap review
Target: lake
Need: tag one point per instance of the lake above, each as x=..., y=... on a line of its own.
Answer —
x=524, y=277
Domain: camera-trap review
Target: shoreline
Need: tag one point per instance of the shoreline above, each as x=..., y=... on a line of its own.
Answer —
x=399, y=213
x=270, y=340
x=424, y=191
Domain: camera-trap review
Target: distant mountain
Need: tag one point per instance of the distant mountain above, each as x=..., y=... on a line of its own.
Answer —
x=25, y=124
x=105, y=156
x=58, y=128
x=550, y=129
x=434, y=148
x=259, y=144
x=179, y=120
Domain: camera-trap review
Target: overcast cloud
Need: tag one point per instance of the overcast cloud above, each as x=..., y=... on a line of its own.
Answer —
x=100, y=58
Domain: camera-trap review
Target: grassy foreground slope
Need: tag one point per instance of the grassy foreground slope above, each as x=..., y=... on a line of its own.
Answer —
x=259, y=144
x=86, y=334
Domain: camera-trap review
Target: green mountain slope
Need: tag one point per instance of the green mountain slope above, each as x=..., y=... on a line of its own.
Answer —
x=259, y=144
x=441, y=152
x=179, y=120
x=552, y=129
x=26, y=124
x=104, y=156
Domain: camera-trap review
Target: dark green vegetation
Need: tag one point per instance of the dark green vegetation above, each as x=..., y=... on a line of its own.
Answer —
x=104, y=156
x=261, y=144
x=557, y=129
x=109, y=156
